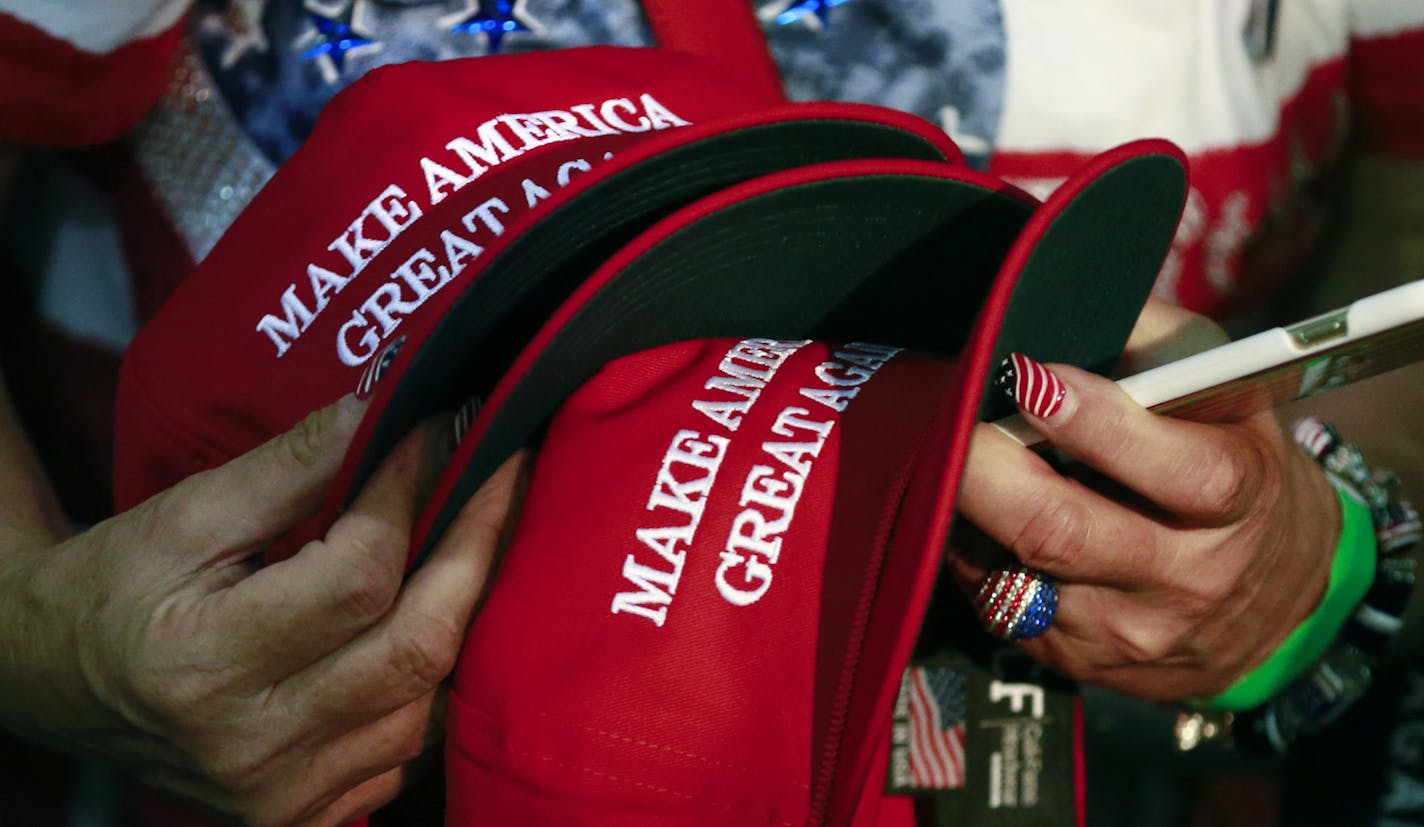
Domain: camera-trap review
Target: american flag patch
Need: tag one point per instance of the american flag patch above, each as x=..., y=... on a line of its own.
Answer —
x=928, y=750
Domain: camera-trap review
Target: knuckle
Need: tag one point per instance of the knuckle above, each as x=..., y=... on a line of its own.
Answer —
x=1111, y=437
x=365, y=590
x=238, y=770
x=427, y=655
x=1199, y=604
x=1230, y=481
x=166, y=519
x=1055, y=535
x=166, y=683
x=243, y=768
x=158, y=692
x=1229, y=570
x=190, y=517
x=1140, y=646
x=183, y=705
x=410, y=746
x=304, y=445
x=150, y=518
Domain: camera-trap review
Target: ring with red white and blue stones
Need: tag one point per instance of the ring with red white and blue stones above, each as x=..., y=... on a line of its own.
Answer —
x=1017, y=603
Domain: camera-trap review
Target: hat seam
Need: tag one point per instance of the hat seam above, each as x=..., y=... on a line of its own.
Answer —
x=644, y=785
x=669, y=749
x=723, y=795
x=852, y=667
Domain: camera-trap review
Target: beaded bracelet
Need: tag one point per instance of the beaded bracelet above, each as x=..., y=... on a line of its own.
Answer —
x=1341, y=675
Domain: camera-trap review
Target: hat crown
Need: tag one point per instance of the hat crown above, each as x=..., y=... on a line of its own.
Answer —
x=671, y=621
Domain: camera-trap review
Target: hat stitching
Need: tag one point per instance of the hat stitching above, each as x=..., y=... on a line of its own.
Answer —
x=710, y=800
x=665, y=748
x=855, y=644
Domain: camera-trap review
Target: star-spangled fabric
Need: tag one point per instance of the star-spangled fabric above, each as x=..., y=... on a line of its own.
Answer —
x=273, y=64
x=936, y=727
x=260, y=52
x=943, y=61
x=948, y=62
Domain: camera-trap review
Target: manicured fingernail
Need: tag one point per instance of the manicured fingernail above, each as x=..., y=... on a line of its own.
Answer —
x=465, y=417
x=377, y=367
x=1032, y=386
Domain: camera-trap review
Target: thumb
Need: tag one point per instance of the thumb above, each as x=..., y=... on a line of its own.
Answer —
x=253, y=499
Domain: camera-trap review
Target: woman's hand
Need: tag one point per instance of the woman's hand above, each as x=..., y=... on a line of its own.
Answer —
x=295, y=693
x=1185, y=553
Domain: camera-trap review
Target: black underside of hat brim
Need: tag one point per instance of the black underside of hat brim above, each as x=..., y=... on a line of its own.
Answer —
x=895, y=259
x=502, y=308
x=1091, y=268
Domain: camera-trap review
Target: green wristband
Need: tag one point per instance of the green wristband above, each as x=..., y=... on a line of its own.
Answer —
x=1351, y=574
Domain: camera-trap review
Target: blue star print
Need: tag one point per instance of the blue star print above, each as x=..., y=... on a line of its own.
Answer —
x=801, y=8
x=337, y=38
x=496, y=18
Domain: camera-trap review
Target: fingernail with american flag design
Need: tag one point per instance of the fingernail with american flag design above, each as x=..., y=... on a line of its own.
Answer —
x=377, y=367
x=1032, y=386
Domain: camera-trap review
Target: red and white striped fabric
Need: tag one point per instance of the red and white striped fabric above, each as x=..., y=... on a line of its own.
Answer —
x=82, y=73
x=1262, y=135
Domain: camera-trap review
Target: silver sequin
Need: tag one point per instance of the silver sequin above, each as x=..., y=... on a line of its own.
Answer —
x=200, y=164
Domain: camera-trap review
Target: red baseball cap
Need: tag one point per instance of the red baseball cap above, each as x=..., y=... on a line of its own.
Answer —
x=638, y=658
x=479, y=191
x=709, y=564
x=721, y=215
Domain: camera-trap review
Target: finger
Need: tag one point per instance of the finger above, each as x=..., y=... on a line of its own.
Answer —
x=1207, y=475
x=972, y=555
x=1081, y=606
x=1097, y=663
x=1165, y=333
x=294, y=612
x=1146, y=644
x=369, y=796
x=1050, y=522
x=251, y=500
x=348, y=763
x=414, y=646
x=372, y=793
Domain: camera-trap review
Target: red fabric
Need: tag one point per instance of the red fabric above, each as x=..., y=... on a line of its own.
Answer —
x=722, y=30
x=54, y=94
x=503, y=752
x=203, y=383
x=207, y=333
x=723, y=713
x=1387, y=91
x=868, y=615
x=1254, y=212
x=178, y=413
